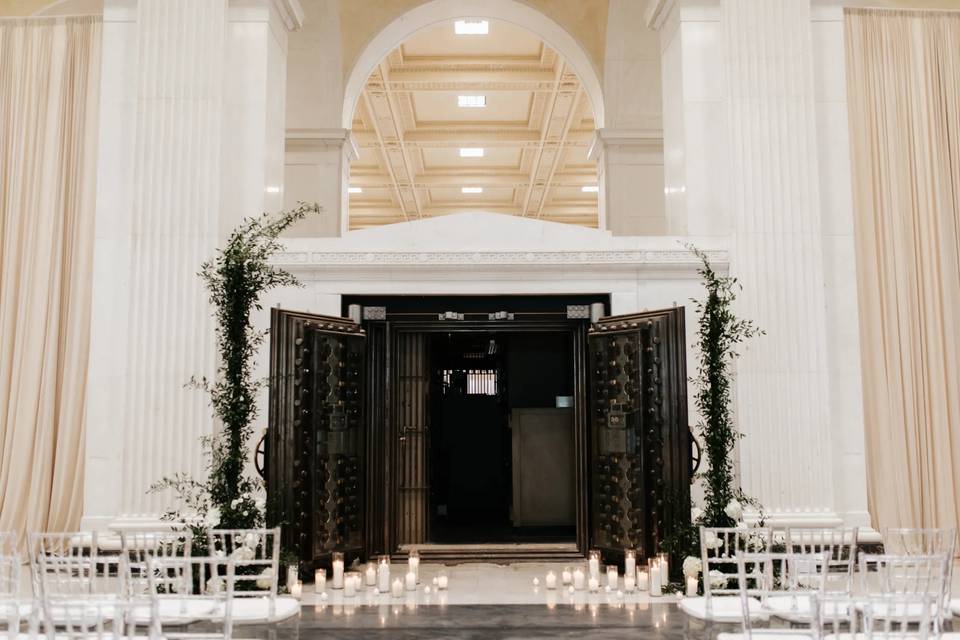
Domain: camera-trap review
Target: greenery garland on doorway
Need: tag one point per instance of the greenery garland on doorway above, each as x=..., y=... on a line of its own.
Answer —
x=235, y=278
x=720, y=333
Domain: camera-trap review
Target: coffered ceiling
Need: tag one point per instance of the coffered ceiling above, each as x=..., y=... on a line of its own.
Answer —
x=420, y=151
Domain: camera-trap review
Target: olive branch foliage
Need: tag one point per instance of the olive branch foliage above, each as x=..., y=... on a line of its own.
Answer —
x=235, y=278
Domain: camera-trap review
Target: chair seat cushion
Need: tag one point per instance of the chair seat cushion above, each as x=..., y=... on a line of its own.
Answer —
x=879, y=635
x=721, y=609
x=175, y=611
x=912, y=611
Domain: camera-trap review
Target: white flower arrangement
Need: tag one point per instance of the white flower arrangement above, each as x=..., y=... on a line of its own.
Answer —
x=712, y=541
x=266, y=577
x=692, y=567
x=718, y=579
x=734, y=509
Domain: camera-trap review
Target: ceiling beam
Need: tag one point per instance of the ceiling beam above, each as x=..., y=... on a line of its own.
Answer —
x=488, y=135
x=472, y=178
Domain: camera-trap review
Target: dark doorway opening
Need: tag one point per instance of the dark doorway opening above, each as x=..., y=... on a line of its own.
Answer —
x=502, y=437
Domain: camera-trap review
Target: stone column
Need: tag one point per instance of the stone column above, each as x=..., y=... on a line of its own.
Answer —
x=630, y=177
x=318, y=170
x=783, y=403
x=188, y=112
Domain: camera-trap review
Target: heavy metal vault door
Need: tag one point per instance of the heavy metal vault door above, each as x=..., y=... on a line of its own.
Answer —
x=640, y=439
x=315, y=439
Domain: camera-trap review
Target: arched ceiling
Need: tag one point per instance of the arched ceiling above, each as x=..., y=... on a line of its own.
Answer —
x=534, y=131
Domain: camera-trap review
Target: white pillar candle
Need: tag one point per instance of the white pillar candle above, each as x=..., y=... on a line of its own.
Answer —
x=630, y=563
x=338, y=574
x=579, y=579
x=567, y=576
x=612, y=577
x=413, y=564
x=349, y=587
x=320, y=580
x=655, y=576
x=441, y=582
x=643, y=580
x=551, y=580
x=383, y=575
x=692, y=587
x=296, y=589
x=593, y=584
x=664, y=568
x=396, y=590
x=371, y=575
x=594, y=564
x=411, y=581
x=292, y=575
x=629, y=583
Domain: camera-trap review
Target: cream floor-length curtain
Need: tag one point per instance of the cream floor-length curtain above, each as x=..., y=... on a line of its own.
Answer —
x=903, y=80
x=49, y=101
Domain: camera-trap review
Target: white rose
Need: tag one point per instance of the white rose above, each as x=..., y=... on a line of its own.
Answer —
x=250, y=540
x=265, y=579
x=260, y=503
x=243, y=554
x=692, y=567
x=235, y=502
x=712, y=541
x=717, y=579
x=215, y=584
x=212, y=518
x=695, y=514
x=734, y=509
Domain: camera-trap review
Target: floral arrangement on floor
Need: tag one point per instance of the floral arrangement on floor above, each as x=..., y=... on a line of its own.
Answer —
x=236, y=278
x=719, y=336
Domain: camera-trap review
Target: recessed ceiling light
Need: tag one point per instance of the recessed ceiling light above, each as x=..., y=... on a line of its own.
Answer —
x=354, y=190
x=471, y=101
x=471, y=27
x=590, y=188
x=272, y=189
x=471, y=152
x=471, y=189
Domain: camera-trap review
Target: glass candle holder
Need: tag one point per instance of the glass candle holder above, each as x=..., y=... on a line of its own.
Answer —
x=383, y=574
x=630, y=563
x=319, y=580
x=593, y=564
x=443, y=581
x=413, y=563
x=337, y=559
x=664, y=560
x=351, y=582
x=370, y=575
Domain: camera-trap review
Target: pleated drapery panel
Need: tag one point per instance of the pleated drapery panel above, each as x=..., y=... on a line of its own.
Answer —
x=903, y=80
x=49, y=103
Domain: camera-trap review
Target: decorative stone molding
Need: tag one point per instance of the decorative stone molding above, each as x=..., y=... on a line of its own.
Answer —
x=290, y=12
x=644, y=140
x=639, y=258
x=657, y=13
x=299, y=140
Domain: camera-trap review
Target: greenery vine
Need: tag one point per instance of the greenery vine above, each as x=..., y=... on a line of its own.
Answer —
x=235, y=278
x=719, y=336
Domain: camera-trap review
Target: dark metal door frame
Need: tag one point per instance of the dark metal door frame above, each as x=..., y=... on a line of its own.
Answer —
x=383, y=441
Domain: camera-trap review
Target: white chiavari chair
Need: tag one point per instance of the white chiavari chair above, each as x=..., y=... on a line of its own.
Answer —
x=907, y=577
x=900, y=616
x=908, y=542
x=80, y=591
x=781, y=582
x=138, y=549
x=191, y=597
x=835, y=616
x=74, y=544
x=9, y=595
x=840, y=543
x=719, y=548
x=256, y=553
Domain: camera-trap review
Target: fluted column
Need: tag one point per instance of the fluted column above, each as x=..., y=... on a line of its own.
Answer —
x=782, y=387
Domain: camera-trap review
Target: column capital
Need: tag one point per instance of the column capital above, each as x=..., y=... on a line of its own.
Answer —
x=642, y=140
x=306, y=140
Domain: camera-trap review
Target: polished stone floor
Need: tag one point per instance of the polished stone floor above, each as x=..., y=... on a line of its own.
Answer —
x=490, y=601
